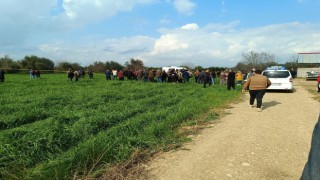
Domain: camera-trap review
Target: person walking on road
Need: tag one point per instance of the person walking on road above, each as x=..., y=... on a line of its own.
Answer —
x=257, y=87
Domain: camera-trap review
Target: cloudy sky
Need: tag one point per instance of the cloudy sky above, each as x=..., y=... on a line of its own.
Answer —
x=158, y=32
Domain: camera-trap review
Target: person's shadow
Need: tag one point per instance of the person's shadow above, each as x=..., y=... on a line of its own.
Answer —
x=266, y=105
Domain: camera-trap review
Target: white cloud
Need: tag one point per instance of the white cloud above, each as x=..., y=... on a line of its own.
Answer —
x=93, y=10
x=168, y=43
x=88, y=50
x=22, y=20
x=226, y=46
x=184, y=6
x=192, y=26
x=212, y=45
x=43, y=28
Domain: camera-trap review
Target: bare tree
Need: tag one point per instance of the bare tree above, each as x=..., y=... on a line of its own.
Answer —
x=258, y=60
x=292, y=63
x=241, y=66
x=188, y=66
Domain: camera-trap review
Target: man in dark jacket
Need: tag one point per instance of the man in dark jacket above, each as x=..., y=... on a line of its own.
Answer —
x=206, y=78
x=311, y=170
x=1, y=76
x=231, y=79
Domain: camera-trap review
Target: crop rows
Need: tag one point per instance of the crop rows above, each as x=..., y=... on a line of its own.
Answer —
x=54, y=128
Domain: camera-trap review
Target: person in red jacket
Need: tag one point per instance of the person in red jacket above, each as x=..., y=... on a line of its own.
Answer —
x=318, y=80
x=121, y=75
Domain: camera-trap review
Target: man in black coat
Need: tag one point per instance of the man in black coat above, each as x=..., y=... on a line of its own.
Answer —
x=312, y=168
x=1, y=76
x=231, y=79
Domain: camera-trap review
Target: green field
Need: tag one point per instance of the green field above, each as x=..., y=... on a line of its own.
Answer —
x=53, y=129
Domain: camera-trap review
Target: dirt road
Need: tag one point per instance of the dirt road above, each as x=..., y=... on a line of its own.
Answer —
x=246, y=144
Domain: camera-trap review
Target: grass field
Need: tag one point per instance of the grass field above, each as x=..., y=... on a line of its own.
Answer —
x=53, y=129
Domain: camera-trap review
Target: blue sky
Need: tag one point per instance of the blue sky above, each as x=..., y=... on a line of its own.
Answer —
x=158, y=32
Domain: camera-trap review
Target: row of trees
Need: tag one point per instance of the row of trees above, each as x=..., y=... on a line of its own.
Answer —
x=258, y=60
x=44, y=64
x=28, y=62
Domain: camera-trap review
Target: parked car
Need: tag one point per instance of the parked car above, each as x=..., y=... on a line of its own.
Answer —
x=312, y=75
x=280, y=79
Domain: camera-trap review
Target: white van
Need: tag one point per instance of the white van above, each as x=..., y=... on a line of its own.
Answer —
x=166, y=69
x=280, y=79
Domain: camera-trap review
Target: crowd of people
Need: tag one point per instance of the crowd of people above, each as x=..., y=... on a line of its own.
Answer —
x=150, y=75
x=206, y=77
x=2, y=76
x=227, y=77
x=34, y=74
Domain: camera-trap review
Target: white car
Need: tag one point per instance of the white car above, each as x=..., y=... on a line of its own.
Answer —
x=280, y=79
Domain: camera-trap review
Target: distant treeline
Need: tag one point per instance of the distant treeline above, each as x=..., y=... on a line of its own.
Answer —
x=46, y=65
x=257, y=60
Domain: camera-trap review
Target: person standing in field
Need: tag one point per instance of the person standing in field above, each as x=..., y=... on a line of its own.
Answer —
x=2, y=76
x=213, y=76
x=159, y=75
x=70, y=74
x=151, y=75
x=185, y=75
x=139, y=74
x=223, y=78
x=108, y=74
x=200, y=76
x=114, y=74
x=196, y=75
x=90, y=73
x=37, y=73
x=206, y=78
x=231, y=80
x=164, y=76
x=180, y=76
x=82, y=73
x=76, y=75
x=145, y=75
x=121, y=75
x=172, y=76
x=257, y=87
x=31, y=74
x=239, y=78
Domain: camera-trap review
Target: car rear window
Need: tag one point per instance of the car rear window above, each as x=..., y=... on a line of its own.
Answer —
x=276, y=74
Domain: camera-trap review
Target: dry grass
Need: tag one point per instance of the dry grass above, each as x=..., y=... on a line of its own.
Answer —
x=311, y=86
x=131, y=169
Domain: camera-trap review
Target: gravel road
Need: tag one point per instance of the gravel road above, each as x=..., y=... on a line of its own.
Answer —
x=247, y=144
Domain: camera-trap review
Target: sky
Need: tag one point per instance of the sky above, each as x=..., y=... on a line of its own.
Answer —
x=203, y=33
